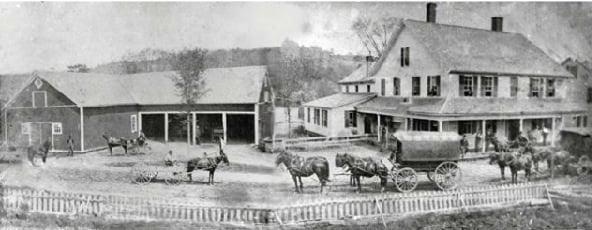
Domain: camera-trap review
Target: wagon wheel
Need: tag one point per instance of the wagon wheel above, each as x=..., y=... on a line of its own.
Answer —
x=430, y=176
x=584, y=165
x=175, y=179
x=405, y=179
x=447, y=175
x=142, y=174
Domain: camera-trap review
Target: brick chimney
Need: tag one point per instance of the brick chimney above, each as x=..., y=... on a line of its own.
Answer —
x=497, y=24
x=431, y=14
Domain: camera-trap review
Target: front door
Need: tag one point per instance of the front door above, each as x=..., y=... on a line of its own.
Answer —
x=367, y=124
x=513, y=129
x=40, y=132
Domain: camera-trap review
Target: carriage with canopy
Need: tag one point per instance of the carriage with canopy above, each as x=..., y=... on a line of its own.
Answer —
x=435, y=153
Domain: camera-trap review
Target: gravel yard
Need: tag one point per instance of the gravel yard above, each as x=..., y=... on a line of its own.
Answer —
x=252, y=179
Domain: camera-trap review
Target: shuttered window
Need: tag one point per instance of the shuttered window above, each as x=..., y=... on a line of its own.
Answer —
x=350, y=119
x=513, y=86
x=550, y=92
x=396, y=86
x=404, y=56
x=488, y=86
x=467, y=86
x=324, y=118
x=433, y=86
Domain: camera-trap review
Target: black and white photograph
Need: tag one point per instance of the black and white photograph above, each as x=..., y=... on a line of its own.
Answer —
x=295, y=115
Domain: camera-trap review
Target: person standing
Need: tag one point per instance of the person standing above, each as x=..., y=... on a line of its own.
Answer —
x=169, y=160
x=197, y=133
x=478, y=139
x=545, y=134
x=464, y=145
x=70, y=145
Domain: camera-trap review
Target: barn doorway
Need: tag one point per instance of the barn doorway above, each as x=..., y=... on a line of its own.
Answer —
x=40, y=132
x=153, y=126
x=240, y=128
x=208, y=127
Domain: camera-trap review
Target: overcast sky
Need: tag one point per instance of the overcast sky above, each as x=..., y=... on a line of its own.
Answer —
x=52, y=35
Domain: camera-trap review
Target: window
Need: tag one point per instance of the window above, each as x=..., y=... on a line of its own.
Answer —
x=301, y=113
x=589, y=95
x=585, y=121
x=134, y=123
x=324, y=118
x=404, y=56
x=467, y=86
x=39, y=99
x=382, y=86
x=573, y=69
x=513, y=86
x=347, y=88
x=26, y=128
x=424, y=125
x=415, y=85
x=357, y=88
x=468, y=127
x=396, y=86
x=350, y=119
x=578, y=121
x=433, y=86
x=317, y=115
x=308, y=115
x=488, y=86
x=550, y=87
x=368, y=88
x=56, y=128
x=536, y=87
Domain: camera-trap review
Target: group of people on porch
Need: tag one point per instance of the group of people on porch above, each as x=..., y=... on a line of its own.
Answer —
x=537, y=134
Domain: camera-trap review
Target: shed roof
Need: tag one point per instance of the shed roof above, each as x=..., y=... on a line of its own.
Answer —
x=396, y=106
x=492, y=106
x=236, y=85
x=340, y=99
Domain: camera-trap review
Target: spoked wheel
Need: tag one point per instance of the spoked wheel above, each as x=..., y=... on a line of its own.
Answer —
x=142, y=174
x=175, y=179
x=405, y=179
x=447, y=175
x=584, y=165
x=430, y=176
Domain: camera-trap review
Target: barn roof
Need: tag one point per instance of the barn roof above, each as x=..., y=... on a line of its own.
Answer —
x=236, y=85
x=340, y=99
x=469, y=50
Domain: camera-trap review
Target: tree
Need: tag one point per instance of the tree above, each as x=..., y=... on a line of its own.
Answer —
x=374, y=34
x=189, y=64
x=78, y=68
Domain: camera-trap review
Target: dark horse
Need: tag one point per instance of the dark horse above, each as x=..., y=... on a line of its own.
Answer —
x=366, y=167
x=42, y=150
x=515, y=161
x=116, y=141
x=300, y=167
x=207, y=164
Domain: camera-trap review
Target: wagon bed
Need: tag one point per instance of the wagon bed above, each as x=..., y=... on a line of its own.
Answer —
x=435, y=153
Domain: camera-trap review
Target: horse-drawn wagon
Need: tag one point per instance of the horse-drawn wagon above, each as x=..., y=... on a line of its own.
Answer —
x=578, y=142
x=435, y=153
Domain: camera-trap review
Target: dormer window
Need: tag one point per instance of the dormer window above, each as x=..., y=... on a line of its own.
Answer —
x=488, y=86
x=467, y=86
x=404, y=56
x=550, y=87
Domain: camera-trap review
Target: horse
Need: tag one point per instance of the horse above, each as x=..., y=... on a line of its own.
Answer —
x=207, y=164
x=136, y=143
x=366, y=167
x=515, y=161
x=304, y=167
x=116, y=141
x=552, y=158
x=42, y=150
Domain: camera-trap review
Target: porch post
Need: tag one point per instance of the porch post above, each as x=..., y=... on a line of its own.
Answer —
x=553, y=132
x=194, y=122
x=440, y=128
x=256, y=117
x=224, y=126
x=410, y=126
x=166, y=127
x=521, y=128
x=406, y=124
x=378, y=127
x=483, y=132
x=140, y=123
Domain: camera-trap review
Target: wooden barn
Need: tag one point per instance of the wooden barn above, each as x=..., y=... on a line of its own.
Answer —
x=237, y=105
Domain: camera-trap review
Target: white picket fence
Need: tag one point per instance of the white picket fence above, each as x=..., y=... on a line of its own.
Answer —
x=17, y=199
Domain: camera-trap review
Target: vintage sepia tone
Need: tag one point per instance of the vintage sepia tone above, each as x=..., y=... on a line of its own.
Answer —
x=295, y=115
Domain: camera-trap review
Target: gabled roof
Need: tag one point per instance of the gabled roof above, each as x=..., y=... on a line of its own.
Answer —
x=456, y=106
x=470, y=50
x=237, y=85
x=340, y=99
